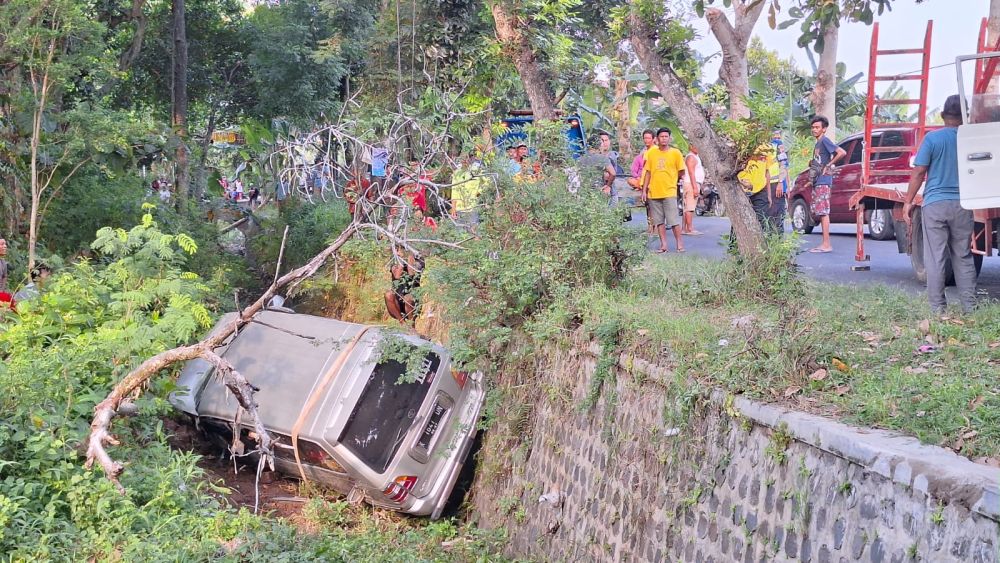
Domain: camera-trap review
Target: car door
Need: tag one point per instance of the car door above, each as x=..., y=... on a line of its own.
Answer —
x=846, y=181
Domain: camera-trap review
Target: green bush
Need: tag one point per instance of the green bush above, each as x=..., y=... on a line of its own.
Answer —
x=537, y=246
x=61, y=355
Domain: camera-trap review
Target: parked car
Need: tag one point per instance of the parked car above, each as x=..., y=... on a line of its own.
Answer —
x=364, y=421
x=847, y=181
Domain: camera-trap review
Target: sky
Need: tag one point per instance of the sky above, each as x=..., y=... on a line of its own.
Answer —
x=955, y=33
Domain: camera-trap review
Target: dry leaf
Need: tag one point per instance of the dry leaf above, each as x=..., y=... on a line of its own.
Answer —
x=839, y=364
x=952, y=341
x=975, y=403
x=994, y=345
x=958, y=444
x=642, y=332
x=700, y=356
x=924, y=327
x=843, y=390
x=958, y=322
x=930, y=339
x=868, y=336
x=970, y=434
x=910, y=369
x=819, y=375
x=791, y=391
x=897, y=331
x=920, y=414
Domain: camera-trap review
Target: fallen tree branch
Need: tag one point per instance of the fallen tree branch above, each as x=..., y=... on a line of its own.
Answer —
x=105, y=411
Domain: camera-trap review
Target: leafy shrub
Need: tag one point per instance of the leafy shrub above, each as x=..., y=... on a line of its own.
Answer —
x=537, y=245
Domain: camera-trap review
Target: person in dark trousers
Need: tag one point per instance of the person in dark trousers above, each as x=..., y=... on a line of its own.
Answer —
x=947, y=228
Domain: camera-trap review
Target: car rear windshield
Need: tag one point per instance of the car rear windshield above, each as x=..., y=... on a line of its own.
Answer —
x=888, y=139
x=386, y=410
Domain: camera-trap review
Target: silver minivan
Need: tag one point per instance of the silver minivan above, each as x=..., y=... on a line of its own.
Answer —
x=364, y=421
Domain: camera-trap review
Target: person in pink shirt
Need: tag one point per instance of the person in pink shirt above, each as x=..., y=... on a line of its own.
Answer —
x=640, y=159
x=638, y=163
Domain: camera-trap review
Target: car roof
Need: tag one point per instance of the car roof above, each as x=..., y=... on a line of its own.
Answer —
x=284, y=355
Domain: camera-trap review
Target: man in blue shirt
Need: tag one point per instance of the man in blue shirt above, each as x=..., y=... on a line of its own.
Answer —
x=825, y=157
x=947, y=228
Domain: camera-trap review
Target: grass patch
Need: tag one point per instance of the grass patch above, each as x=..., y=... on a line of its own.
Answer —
x=834, y=349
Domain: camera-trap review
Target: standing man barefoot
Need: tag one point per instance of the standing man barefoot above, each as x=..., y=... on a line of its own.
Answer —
x=664, y=167
x=825, y=157
x=694, y=179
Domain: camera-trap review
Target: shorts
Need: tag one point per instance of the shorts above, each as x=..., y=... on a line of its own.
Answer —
x=820, y=205
x=663, y=211
x=690, y=197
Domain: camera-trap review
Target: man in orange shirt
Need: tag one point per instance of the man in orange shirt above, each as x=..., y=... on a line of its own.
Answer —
x=663, y=169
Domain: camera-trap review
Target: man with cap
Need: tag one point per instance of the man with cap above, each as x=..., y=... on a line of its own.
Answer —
x=947, y=228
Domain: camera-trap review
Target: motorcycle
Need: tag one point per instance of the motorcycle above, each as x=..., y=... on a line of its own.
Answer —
x=709, y=201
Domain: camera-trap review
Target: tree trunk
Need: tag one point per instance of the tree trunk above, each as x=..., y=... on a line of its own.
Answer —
x=201, y=181
x=824, y=94
x=623, y=119
x=718, y=156
x=992, y=34
x=179, y=100
x=993, y=23
x=733, y=39
x=510, y=32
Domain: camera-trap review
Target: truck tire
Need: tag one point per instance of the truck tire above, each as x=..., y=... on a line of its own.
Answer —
x=801, y=218
x=880, y=225
x=917, y=255
x=917, y=248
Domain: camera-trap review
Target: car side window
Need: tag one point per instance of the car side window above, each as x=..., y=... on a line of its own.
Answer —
x=855, y=151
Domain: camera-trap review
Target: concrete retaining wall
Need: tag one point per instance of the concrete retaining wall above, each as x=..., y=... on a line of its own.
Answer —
x=737, y=481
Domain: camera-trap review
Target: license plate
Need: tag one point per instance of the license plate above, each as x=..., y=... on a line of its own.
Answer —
x=427, y=437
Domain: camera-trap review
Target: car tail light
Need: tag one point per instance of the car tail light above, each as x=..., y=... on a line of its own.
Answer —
x=460, y=377
x=400, y=488
x=313, y=454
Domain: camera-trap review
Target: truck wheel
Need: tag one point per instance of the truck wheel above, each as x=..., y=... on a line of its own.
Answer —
x=880, y=225
x=801, y=221
x=917, y=248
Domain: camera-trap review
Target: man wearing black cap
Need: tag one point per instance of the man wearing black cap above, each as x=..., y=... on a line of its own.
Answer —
x=947, y=228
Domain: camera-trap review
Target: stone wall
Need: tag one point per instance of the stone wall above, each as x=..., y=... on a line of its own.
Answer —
x=736, y=481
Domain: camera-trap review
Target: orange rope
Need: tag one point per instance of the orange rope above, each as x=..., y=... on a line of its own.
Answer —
x=314, y=397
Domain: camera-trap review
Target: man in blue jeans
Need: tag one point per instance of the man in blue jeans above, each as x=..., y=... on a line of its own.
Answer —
x=947, y=228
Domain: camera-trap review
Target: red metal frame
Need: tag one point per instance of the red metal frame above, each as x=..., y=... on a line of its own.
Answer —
x=985, y=72
x=867, y=188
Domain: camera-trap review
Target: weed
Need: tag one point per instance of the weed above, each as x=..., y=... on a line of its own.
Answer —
x=777, y=448
x=692, y=498
x=845, y=488
x=937, y=517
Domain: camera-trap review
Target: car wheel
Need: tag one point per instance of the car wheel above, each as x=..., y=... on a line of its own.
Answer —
x=801, y=221
x=880, y=225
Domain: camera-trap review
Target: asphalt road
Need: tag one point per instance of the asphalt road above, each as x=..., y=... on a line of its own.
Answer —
x=888, y=267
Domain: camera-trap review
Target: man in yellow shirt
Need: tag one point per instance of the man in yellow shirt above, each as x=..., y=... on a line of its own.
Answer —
x=756, y=178
x=663, y=170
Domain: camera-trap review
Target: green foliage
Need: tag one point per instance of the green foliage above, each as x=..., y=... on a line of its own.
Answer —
x=537, y=246
x=749, y=134
x=61, y=355
x=310, y=228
